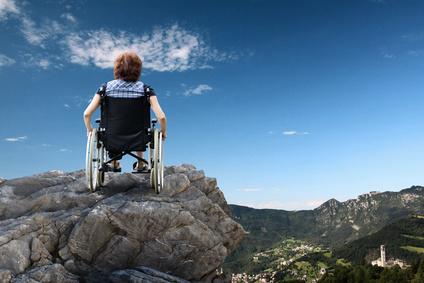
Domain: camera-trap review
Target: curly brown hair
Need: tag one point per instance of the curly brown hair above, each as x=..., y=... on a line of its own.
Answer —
x=127, y=67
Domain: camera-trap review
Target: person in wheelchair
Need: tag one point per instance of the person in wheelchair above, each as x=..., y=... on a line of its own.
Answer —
x=127, y=72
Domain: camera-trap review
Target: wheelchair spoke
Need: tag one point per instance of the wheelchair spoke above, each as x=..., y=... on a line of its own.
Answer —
x=92, y=166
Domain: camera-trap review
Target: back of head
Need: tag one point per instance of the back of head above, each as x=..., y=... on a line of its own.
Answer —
x=127, y=67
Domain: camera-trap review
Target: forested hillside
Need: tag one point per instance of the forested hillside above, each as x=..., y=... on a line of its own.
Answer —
x=403, y=238
x=331, y=225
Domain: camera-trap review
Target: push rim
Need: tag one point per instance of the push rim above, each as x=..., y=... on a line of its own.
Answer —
x=160, y=163
x=93, y=159
x=101, y=174
x=87, y=160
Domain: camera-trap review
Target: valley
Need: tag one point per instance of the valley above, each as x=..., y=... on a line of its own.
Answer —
x=304, y=245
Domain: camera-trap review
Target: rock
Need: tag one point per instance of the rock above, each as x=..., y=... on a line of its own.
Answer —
x=143, y=275
x=14, y=256
x=5, y=276
x=52, y=229
x=47, y=273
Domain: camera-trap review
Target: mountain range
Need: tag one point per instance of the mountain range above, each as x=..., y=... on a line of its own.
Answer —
x=331, y=225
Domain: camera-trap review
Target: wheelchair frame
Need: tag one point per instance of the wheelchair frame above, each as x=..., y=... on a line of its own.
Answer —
x=97, y=163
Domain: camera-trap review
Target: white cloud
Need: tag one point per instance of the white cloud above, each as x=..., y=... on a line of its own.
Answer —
x=416, y=53
x=200, y=89
x=295, y=133
x=69, y=17
x=164, y=49
x=63, y=149
x=16, y=139
x=413, y=36
x=388, y=55
x=37, y=60
x=7, y=7
x=290, y=133
x=33, y=35
x=41, y=35
x=6, y=61
x=44, y=63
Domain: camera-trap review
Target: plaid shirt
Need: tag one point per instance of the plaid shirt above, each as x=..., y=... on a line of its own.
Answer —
x=124, y=89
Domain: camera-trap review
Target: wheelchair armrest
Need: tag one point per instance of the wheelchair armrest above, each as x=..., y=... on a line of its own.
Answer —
x=97, y=120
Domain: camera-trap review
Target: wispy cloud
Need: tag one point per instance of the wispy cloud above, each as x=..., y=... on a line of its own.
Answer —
x=37, y=61
x=388, y=55
x=69, y=17
x=16, y=139
x=200, y=89
x=289, y=133
x=6, y=61
x=414, y=36
x=42, y=34
x=415, y=53
x=8, y=7
x=171, y=48
x=164, y=49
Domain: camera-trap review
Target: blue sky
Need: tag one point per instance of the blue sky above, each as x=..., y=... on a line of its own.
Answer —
x=287, y=103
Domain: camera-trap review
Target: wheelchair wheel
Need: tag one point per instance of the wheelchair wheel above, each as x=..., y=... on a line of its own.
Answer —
x=92, y=161
x=150, y=160
x=156, y=175
x=102, y=158
x=87, y=159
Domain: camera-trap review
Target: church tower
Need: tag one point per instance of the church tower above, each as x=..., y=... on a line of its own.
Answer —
x=383, y=255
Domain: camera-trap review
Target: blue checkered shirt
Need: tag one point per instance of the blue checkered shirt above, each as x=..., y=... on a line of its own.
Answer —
x=124, y=89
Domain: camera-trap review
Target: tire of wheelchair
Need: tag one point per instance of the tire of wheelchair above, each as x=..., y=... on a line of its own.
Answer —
x=101, y=158
x=156, y=174
x=92, y=162
x=87, y=160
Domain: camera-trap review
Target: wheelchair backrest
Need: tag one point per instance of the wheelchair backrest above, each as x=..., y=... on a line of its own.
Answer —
x=126, y=123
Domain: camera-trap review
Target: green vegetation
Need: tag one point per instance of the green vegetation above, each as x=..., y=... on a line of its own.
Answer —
x=374, y=274
x=414, y=249
x=287, y=246
x=414, y=237
x=393, y=236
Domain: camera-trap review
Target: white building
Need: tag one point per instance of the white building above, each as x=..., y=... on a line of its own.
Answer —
x=383, y=261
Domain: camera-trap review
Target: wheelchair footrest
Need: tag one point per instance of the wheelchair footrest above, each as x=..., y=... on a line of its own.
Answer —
x=136, y=171
x=108, y=168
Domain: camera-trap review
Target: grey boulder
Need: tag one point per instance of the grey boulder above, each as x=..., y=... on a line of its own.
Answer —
x=52, y=229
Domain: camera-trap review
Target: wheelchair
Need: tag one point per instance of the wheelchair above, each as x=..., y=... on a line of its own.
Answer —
x=125, y=126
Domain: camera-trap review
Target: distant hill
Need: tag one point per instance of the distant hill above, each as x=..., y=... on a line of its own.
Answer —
x=332, y=224
x=403, y=238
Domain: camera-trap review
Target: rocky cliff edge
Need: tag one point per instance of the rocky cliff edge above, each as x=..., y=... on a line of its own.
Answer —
x=52, y=229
